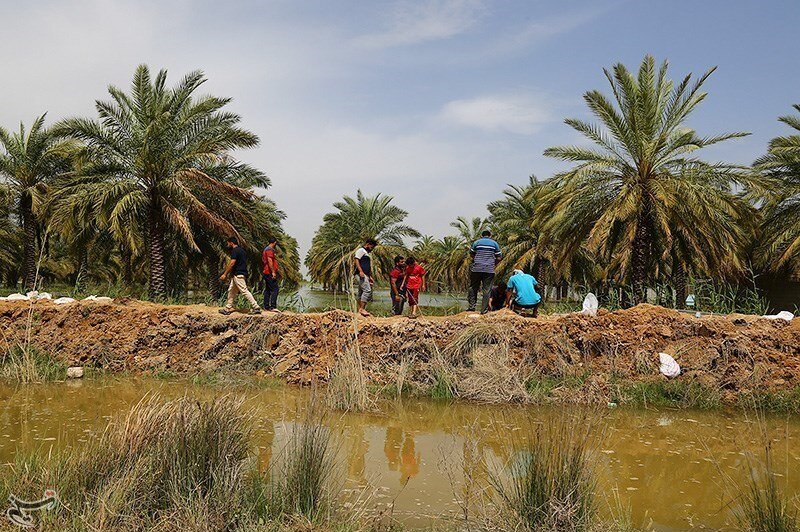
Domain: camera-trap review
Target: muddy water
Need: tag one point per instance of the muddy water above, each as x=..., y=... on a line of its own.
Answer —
x=666, y=466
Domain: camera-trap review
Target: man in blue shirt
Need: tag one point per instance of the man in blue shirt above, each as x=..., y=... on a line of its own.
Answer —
x=237, y=271
x=522, y=293
x=485, y=256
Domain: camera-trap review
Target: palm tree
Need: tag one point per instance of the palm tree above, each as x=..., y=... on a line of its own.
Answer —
x=149, y=153
x=344, y=230
x=781, y=222
x=640, y=190
x=29, y=161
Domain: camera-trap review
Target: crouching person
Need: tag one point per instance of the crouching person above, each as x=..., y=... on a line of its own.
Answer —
x=236, y=270
x=522, y=293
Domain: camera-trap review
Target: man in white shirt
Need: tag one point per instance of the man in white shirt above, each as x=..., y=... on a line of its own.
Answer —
x=363, y=275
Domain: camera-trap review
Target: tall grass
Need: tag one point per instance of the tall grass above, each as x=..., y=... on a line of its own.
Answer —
x=550, y=482
x=27, y=364
x=762, y=504
x=159, y=466
x=300, y=485
x=347, y=387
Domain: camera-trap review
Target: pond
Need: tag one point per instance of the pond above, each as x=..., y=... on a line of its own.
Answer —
x=666, y=466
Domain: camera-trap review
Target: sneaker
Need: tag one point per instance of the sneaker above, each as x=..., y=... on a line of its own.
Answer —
x=225, y=312
x=255, y=311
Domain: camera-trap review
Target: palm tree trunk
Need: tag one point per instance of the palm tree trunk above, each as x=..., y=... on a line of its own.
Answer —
x=29, y=227
x=127, y=267
x=83, y=270
x=641, y=253
x=214, y=284
x=679, y=280
x=155, y=250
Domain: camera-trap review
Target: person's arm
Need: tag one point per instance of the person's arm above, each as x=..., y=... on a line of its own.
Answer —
x=358, y=265
x=498, y=255
x=424, y=281
x=228, y=269
x=472, y=250
x=273, y=265
x=393, y=285
x=509, y=296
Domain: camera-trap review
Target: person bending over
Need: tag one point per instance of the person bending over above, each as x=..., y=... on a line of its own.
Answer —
x=522, y=293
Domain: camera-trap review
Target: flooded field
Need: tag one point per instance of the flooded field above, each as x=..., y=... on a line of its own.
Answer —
x=666, y=466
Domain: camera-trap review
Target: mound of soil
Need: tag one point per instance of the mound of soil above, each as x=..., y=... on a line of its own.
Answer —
x=734, y=353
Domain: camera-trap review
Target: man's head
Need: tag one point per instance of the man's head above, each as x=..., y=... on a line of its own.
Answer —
x=486, y=234
x=518, y=272
x=399, y=260
x=272, y=242
x=232, y=242
x=370, y=244
x=410, y=261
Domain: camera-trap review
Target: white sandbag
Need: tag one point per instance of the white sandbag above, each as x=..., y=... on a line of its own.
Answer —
x=63, y=300
x=33, y=294
x=44, y=295
x=90, y=298
x=590, y=305
x=782, y=315
x=17, y=297
x=669, y=367
x=103, y=299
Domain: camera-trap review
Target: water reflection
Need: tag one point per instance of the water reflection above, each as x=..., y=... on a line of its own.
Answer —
x=429, y=458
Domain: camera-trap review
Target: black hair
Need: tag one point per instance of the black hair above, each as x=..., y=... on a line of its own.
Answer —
x=371, y=242
x=411, y=260
x=272, y=240
x=397, y=259
x=486, y=233
x=233, y=240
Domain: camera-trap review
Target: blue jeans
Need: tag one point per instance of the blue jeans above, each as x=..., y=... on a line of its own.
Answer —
x=270, y=292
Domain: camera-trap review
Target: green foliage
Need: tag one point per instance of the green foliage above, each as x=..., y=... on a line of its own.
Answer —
x=639, y=197
x=330, y=258
x=722, y=298
x=780, y=225
x=674, y=393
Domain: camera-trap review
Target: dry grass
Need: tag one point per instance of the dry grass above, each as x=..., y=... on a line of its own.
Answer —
x=347, y=387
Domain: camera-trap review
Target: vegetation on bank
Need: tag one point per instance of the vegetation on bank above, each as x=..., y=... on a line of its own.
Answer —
x=142, y=197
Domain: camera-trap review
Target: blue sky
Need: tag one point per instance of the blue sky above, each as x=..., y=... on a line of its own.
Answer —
x=438, y=103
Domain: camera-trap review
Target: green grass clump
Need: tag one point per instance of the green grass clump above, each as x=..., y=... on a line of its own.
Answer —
x=675, y=393
x=550, y=483
x=442, y=388
x=27, y=364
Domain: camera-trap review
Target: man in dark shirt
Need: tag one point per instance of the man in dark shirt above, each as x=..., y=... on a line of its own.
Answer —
x=485, y=256
x=396, y=278
x=237, y=271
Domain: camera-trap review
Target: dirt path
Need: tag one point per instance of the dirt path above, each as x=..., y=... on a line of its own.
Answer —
x=733, y=353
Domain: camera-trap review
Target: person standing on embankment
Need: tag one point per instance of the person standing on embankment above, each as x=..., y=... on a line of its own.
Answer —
x=270, y=273
x=237, y=271
x=363, y=277
x=485, y=256
x=396, y=280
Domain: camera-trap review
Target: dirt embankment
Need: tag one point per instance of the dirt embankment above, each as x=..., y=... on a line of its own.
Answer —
x=731, y=353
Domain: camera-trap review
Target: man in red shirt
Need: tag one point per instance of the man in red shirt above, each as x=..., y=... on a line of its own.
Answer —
x=396, y=278
x=413, y=283
x=270, y=273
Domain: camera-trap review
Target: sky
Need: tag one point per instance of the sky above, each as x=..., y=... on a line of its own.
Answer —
x=438, y=103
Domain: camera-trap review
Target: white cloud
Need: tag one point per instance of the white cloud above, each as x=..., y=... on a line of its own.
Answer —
x=415, y=22
x=516, y=114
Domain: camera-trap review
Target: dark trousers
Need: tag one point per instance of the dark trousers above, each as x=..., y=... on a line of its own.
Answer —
x=397, y=305
x=479, y=281
x=270, y=292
